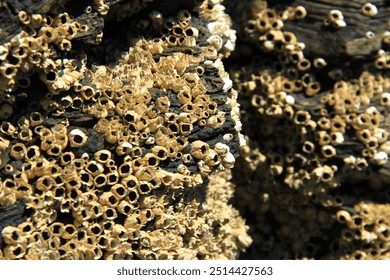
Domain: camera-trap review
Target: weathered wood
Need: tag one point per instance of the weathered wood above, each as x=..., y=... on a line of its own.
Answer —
x=8, y=24
x=11, y=215
x=361, y=37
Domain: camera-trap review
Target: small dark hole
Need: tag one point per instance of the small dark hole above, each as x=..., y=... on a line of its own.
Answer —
x=132, y=196
x=51, y=76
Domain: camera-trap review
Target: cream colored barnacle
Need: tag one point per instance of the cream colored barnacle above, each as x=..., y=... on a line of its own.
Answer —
x=300, y=12
x=221, y=149
x=336, y=18
x=199, y=149
x=380, y=158
x=228, y=161
x=216, y=41
x=369, y=10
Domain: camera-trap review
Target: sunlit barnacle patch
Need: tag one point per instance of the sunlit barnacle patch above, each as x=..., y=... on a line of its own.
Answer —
x=113, y=161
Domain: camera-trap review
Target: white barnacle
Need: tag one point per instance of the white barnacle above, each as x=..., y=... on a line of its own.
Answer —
x=370, y=34
x=229, y=46
x=77, y=138
x=290, y=100
x=380, y=158
x=227, y=83
x=228, y=137
x=221, y=149
x=229, y=160
x=216, y=41
x=216, y=27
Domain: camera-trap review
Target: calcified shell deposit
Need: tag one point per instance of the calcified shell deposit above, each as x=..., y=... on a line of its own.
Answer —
x=194, y=129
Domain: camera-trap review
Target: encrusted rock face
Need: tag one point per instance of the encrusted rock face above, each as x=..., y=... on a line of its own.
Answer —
x=109, y=160
x=120, y=133
x=321, y=144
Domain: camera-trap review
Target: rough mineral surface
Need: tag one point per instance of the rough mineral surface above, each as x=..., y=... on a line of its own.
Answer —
x=194, y=130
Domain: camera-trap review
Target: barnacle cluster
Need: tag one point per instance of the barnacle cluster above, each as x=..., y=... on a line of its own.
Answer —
x=324, y=133
x=120, y=133
x=112, y=161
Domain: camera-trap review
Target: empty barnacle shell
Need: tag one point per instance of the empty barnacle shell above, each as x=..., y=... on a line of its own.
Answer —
x=160, y=151
x=172, y=40
x=335, y=15
x=33, y=152
x=87, y=92
x=337, y=138
x=57, y=229
x=343, y=216
x=303, y=64
x=228, y=161
x=77, y=138
x=125, y=169
x=380, y=158
x=144, y=187
x=119, y=191
x=369, y=9
x=45, y=183
x=94, y=168
x=12, y=235
x=221, y=149
x=324, y=173
x=125, y=207
x=54, y=150
x=18, y=151
x=199, y=149
x=302, y=117
x=16, y=251
x=385, y=99
x=364, y=135
x=66, y=101
x=328, y=151
x=102, y=156
x=308, y=147
x=100, y=180
x=94, y=229
x=25, y=135
x=151, y=159
x=300, y=12
x=36, y=119
x=191, y=31
x=65, y=45
x=8, y=129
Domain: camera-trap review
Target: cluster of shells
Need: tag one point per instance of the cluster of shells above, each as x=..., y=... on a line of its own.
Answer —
x=113, y=161
x=319, y=163
x=142, y=146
